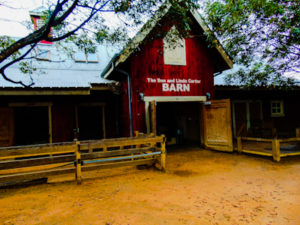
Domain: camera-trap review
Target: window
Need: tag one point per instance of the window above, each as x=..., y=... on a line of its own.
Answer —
x=88, y=58
x=277, y=108
x=43, y=54
x=174, y=49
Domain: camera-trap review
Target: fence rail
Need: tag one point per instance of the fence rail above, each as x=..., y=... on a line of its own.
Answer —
x=277, y=149
x=20, y=163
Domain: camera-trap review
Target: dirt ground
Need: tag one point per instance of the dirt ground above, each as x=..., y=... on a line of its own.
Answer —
x=199, y=187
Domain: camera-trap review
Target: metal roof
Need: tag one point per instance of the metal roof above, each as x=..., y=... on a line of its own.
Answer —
x=61, y=71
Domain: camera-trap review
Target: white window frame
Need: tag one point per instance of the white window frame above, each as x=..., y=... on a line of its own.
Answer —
x=174, y=53
x=86, y=58
x=281, y=108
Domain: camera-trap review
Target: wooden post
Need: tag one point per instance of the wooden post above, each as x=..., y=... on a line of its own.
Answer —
x=50, y=123
x=76, y=133
x=78, y=163
x=297, y=132
x=163, y=154
x=239, y=145
x=153, y=118
x=276, y=150
x=103, y=122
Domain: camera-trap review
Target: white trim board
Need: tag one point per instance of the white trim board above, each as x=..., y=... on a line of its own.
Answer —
x=175, y=98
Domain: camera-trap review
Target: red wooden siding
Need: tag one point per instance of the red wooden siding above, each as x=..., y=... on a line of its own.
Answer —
x=149, y=63
x=63, y=123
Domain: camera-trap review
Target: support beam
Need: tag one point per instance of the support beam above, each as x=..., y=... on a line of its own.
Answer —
x=153, y=117
x=50, y=123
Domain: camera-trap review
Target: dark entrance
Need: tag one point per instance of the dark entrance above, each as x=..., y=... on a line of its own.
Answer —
x=180, y=122
x=90, y=122
x=31, y=125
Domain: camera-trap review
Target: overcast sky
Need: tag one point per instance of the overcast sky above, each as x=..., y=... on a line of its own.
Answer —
x=11, y=18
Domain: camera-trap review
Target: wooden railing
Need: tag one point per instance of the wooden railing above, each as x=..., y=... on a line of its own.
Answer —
x=20, y=163
x=276, y=145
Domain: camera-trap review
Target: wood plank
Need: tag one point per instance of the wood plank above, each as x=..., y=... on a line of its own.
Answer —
x=289, y=139
x=257, y=152
x=239, y=144
x=35, y=175
x=256, y=139
x=37, y=151
x=118, y=164
x=289, y=154
x=12, y=164
x=137, y=141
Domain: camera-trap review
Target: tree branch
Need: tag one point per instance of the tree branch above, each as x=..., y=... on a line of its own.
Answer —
x=3, y=68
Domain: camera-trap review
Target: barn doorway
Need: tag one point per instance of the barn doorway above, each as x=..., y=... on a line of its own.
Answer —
x=90, y=122
x=180, y=122
x=31, y=125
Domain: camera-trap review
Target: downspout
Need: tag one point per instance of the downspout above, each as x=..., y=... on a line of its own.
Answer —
x=129, y=98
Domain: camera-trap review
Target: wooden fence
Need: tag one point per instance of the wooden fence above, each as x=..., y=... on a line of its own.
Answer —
x=275, y=148
x=21, y=163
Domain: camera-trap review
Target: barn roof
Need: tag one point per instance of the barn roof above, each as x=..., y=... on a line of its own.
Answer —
x=149, y=26
x=61, y=71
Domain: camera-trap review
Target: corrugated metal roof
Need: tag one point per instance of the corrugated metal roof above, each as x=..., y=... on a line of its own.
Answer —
x=62, y=71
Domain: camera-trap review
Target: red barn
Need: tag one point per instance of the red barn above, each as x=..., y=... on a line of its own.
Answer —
x=177, y=80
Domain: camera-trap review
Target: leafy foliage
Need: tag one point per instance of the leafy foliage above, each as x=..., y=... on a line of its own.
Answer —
x=261, y=35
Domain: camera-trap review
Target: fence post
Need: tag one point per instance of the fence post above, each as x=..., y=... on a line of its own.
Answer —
x=297, y=132
x=276, y=150
x=78, y=163
x=163, y=154
x=239, y=144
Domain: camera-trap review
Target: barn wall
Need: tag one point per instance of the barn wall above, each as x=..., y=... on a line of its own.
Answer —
x=149, y=64
x=63, y=115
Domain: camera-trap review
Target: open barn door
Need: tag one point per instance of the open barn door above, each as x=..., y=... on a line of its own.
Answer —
x=217, y=127
x=6, y=127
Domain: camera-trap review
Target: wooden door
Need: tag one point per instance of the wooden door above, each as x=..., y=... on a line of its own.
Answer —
x=217, y=125
x=6, y=127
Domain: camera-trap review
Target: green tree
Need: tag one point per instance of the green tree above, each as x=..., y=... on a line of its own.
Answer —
x=262, y=35
x=83, y=23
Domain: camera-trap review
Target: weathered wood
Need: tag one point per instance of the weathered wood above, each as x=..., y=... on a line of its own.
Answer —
x=276, y=150
x=163, y=155
x=36, y=151
x=289, y=139
x=137, y=152
x=12, y=164
x=256, y=139
x=118, y=164
x=217, y=125
x=153, y=117
x=298, y=132
x=50, y=123
x=103, y=122
x=35, y=174
x=124, y=142
x=78, y=164
x=255, y=152
x=239, y=144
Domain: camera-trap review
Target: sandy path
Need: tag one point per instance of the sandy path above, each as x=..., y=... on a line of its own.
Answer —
x=199, y=187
